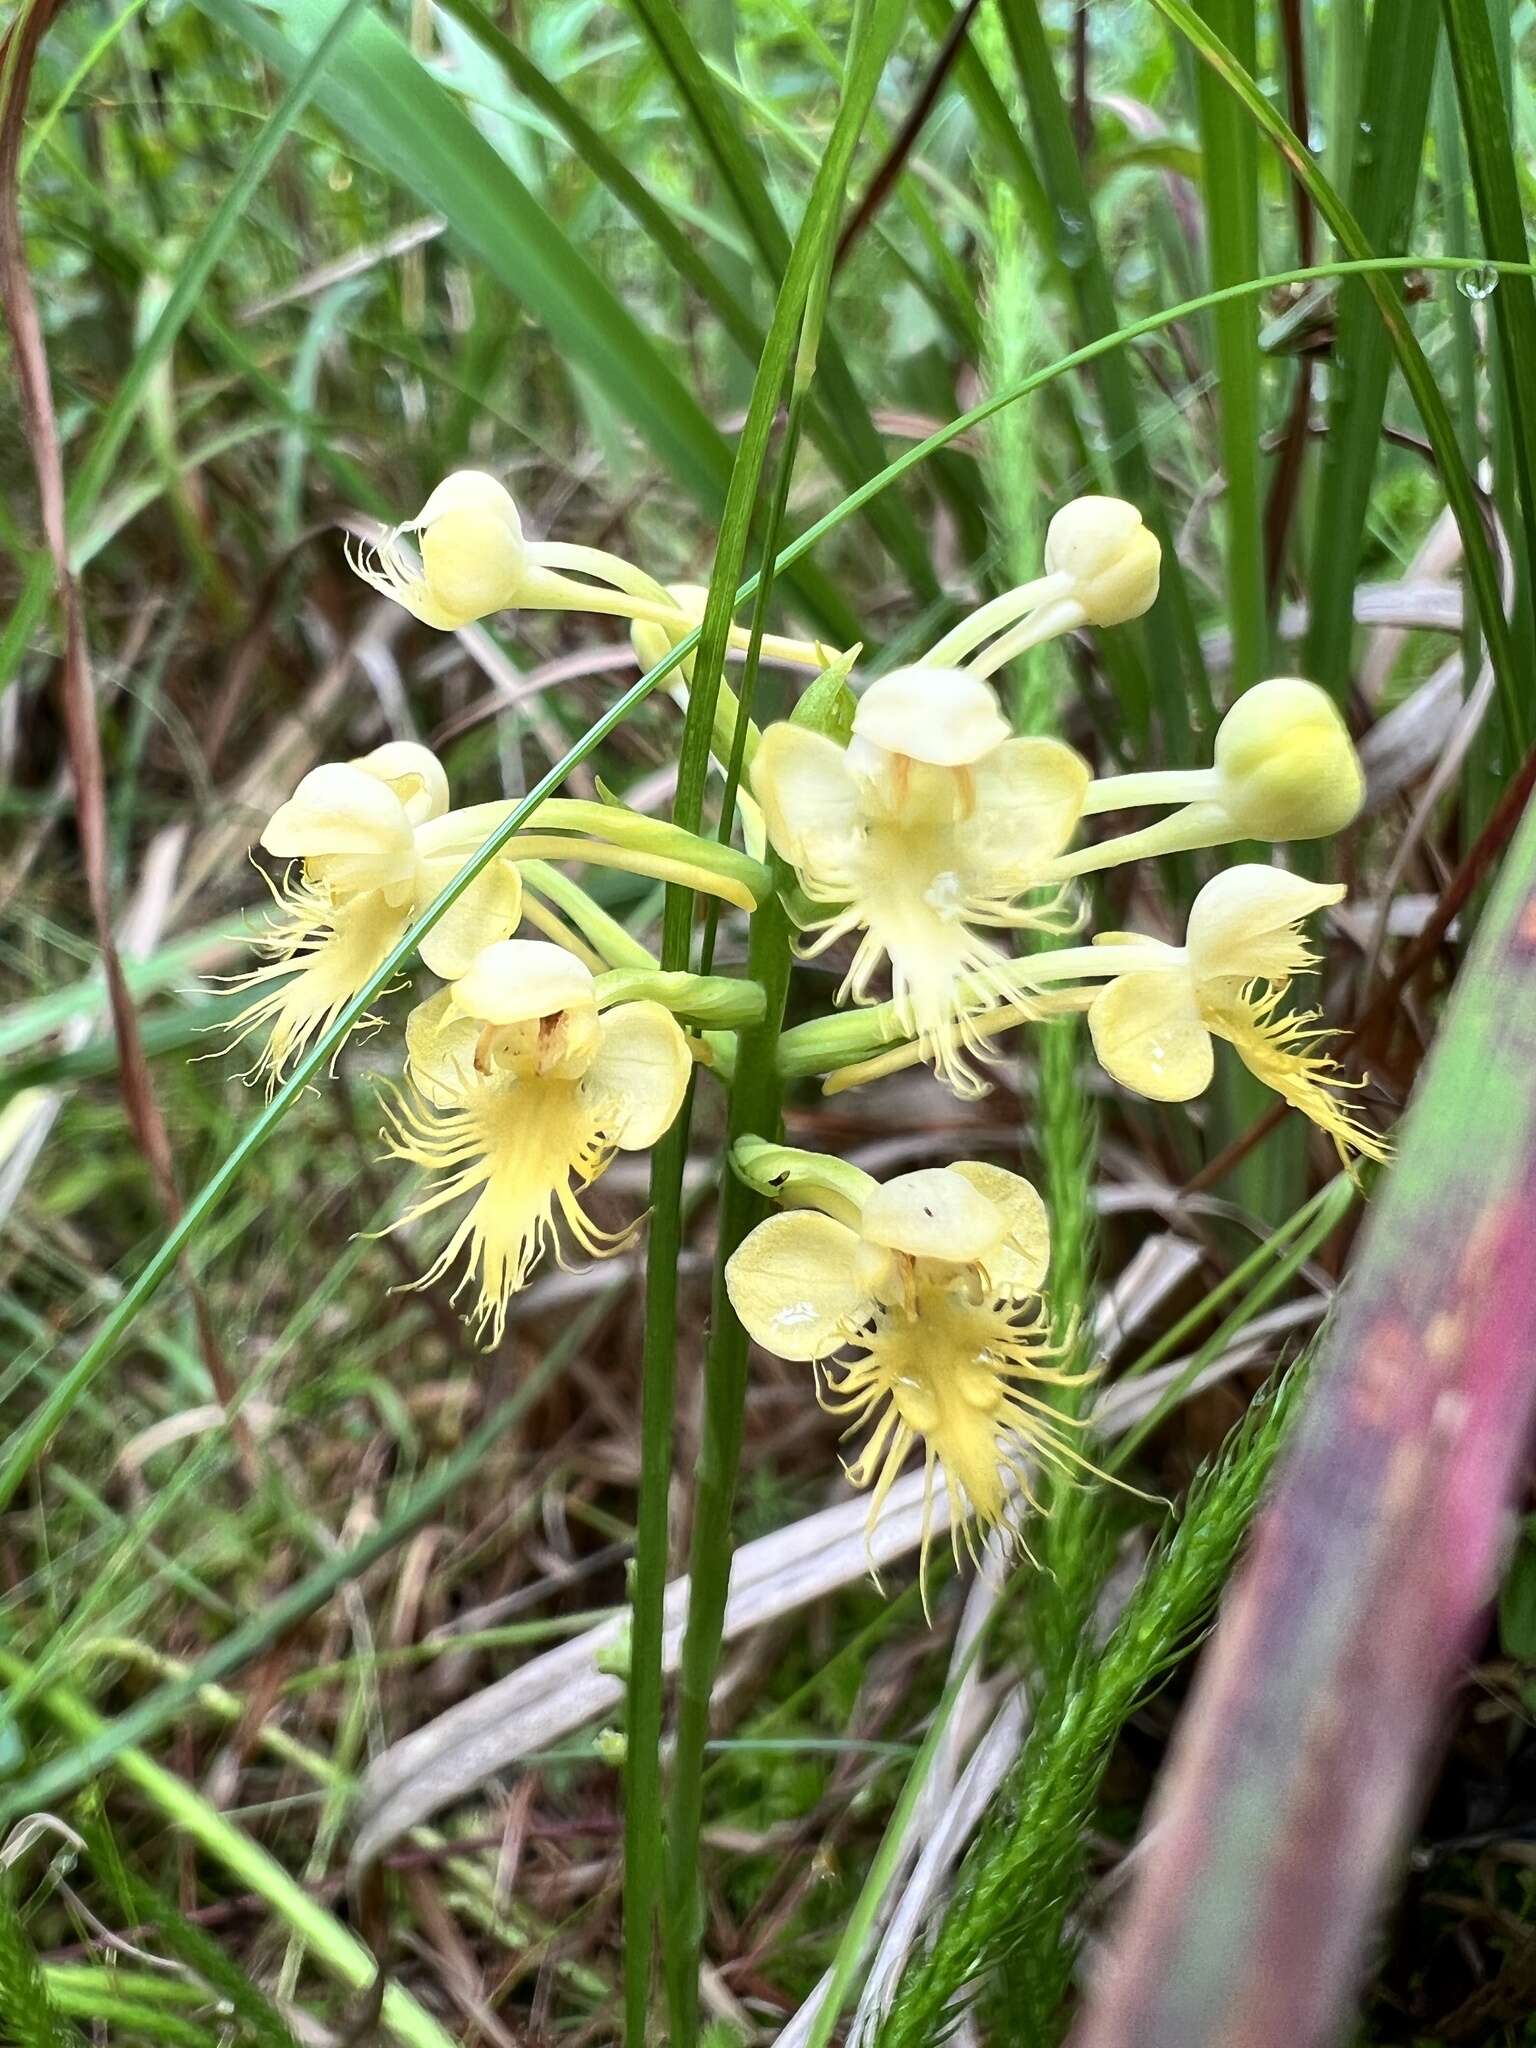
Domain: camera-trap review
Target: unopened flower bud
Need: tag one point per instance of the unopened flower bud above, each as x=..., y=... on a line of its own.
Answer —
x=1111, y=558
x=1287, y=765
x=473, y=554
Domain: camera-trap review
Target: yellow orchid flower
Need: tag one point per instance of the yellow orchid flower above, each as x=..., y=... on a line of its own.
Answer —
x=1154, y=1020
x=521, y=1091
x=935, y=819
x=922, y=1304
x=1102, y=568
x=475, y=560
x=365, y=834
x=1284, y=768
x=1153, y=1024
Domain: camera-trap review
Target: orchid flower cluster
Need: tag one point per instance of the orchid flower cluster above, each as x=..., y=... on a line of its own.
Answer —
x=911, y=833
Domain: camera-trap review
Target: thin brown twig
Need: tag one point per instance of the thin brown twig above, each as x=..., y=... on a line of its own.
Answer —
x=1082, y=110
x=1285, y=490
x=78, y=699
x=1371, y=1027
x=905, y=138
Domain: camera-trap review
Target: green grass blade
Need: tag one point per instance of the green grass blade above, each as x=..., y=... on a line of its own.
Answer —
x=1486, y=129
x=163, y=1707
x=855, y=446
x=193, y=273
x=1177, y=686
x=381, y=96
x=1229, y=175
x=610, y=169
x=333, y=1945
x=754, y=1098
x=29, y=2013
x=1393, y=113
x=1460, y=491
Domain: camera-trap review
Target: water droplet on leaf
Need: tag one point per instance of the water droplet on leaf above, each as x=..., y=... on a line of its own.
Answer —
x=1478, y=283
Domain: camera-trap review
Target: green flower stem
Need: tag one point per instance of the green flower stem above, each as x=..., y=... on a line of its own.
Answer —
x=642, y=1759
x=754, y=1112
x=700, y=876
x=337, y=1951
x=1151, y=786
x=604, y=934
x=618, y=829
x=1197, y=825
x=826, y=1043
x=719, y=1000
x=755, y=1086
x=1050, y=623
x=993, y=617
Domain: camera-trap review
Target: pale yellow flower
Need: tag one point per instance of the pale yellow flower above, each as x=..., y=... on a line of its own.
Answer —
x=521, y=1091
x=1153, y=1025
x=1284, y=768
x=1102, y=568
x=1109, y=558
x=924, y=1312
x=365, y=835
x=934, y=820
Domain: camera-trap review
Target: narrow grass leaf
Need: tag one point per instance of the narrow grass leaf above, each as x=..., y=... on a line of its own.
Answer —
x=1423, y=386
x=1174, y=683
x=1371, y=1572
x=1392, y=116
x=1486, y=128
x=1229, y=176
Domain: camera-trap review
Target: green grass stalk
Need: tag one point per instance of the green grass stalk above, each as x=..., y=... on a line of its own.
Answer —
x=1174, y=682
x=1460, y=489
x=1229, y=172
x=338, y=1951
x=1020, y=1881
